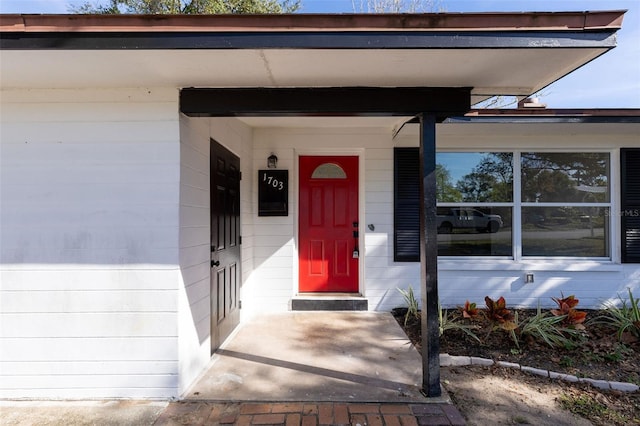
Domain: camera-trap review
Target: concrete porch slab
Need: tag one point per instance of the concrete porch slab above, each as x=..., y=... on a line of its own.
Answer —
x=315, y=356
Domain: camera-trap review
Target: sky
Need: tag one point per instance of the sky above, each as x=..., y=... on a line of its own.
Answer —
x=611, y=81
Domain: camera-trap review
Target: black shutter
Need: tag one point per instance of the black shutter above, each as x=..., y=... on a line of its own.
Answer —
x=406, y=205
x=630, y=203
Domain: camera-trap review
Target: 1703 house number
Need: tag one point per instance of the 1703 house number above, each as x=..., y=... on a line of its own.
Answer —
x=270, y=180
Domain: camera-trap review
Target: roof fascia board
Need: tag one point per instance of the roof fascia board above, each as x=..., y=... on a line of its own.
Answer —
x=545, y=115
x=309, y=40
x=328, y=101
x=322, y=22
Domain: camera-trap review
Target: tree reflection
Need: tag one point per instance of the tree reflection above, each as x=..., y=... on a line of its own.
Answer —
x=565, y=177
x=546, y=177
x=490, y=180
x=445, y=191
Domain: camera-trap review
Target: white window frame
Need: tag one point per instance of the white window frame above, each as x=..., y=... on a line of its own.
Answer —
x=517, y=205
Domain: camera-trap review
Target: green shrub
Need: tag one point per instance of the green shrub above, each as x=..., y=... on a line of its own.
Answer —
x=549, y=329
x=449, y=321
x=413, y=307
x=625, y=317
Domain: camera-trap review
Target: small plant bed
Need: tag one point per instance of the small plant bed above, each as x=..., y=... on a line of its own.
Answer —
x=599, y=344
x=601, y=356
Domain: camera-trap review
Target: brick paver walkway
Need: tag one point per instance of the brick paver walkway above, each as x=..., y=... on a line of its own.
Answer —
x=309, y=414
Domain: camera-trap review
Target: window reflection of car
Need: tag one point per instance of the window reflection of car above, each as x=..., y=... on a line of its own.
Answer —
x=456, y=218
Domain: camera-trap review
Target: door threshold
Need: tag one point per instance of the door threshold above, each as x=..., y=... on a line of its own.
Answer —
x=327, y=294
x=329, y=302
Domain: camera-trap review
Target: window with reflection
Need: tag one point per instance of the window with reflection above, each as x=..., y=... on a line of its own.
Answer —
x=561, y=200
x=475, y=203
x=565, y=231
x=575, y=177
x=474, y=231
x=565, y=204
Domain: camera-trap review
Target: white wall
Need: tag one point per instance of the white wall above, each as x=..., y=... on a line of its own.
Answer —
x=194, y=299
x=89, y=187
x=104, y=242
x=274, y=279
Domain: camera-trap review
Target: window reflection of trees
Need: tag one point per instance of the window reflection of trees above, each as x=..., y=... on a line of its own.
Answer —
x=565, y=199
x=565, y=177
x=491, y=180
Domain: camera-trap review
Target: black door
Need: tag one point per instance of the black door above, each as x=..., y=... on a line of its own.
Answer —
x=225, y=243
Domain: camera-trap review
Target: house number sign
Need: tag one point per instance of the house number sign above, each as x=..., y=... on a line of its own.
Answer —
x=273, y=192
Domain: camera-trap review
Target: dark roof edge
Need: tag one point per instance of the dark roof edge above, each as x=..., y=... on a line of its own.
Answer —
x=544, y=115
x=496, y=21
x=556, y=112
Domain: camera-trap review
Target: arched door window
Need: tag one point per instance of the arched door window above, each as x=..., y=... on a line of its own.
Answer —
x=328, y=171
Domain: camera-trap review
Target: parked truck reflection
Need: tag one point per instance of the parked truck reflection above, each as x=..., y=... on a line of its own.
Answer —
x=466, y=218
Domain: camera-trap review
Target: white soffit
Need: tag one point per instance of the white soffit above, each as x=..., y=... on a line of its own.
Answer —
x=487, y=71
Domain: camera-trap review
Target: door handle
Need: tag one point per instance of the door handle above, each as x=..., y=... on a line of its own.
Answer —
x=215, y=263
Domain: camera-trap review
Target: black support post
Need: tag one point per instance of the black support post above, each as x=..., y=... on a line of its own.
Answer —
x=429, y=259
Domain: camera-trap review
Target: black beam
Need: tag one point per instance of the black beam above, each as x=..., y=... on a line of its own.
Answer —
x=400, y=39
x=429, y=259
x=328, y=101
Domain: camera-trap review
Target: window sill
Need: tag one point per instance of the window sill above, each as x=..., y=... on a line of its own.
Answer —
x=568, y=265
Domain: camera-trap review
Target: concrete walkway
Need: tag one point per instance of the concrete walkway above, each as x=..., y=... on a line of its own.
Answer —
x=315, y=356
x=294, y=368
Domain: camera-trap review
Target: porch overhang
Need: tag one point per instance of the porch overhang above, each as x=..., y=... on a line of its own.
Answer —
x=331, y=101
x=492, y=53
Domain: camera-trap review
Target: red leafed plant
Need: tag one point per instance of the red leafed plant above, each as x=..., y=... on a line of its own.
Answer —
x=566, y=307
x=497, y=313
x=470, y=310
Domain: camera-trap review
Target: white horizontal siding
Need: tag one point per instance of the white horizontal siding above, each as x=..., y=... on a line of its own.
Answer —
x=383, y=276
x=75, y=368
x=97, y=301
x=86, y=278
x=70, y=393
x=275, y=237
x=86, y=325
x=35, y=132
x=88, y=349
x=99, y=381
x=592, y=288
x=89, y=243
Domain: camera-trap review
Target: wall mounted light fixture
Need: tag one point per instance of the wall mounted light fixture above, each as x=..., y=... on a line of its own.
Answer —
x=272, y=161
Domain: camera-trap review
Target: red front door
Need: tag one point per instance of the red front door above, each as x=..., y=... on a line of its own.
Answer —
x=328, y=223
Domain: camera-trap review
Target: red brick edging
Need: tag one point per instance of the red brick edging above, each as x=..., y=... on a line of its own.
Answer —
x=309, y=414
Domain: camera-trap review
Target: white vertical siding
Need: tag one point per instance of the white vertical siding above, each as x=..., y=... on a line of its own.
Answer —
x=194, y=321
x=89, y=243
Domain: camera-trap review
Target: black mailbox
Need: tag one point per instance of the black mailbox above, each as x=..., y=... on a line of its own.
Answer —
x=273, y=192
